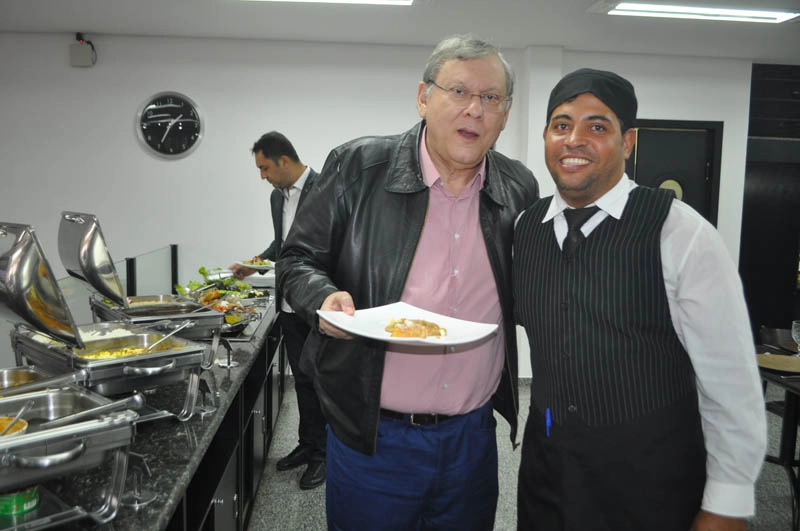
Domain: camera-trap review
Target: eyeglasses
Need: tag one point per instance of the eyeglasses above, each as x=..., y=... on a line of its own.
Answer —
x=489, y=102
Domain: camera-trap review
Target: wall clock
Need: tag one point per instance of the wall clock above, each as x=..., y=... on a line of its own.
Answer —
x=169, y=125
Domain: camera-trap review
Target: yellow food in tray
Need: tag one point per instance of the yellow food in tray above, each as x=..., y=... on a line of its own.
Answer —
x=404, y=327
x=122, y=352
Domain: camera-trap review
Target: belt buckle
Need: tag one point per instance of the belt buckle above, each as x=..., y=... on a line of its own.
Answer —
x=411, y=420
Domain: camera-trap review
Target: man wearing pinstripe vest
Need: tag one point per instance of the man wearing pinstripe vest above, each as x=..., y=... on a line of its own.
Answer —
x=646, y=407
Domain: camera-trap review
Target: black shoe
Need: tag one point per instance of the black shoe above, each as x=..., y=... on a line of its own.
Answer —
x=314, y=476
x=298, y=457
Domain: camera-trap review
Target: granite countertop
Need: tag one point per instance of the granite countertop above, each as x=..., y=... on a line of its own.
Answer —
x=171, y=450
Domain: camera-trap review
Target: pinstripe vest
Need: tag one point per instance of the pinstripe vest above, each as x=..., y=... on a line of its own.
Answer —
x=602, y=343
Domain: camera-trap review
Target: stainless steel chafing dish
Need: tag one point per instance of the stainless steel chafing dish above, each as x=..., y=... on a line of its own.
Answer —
x=19, y=377
x=85, y=256
x=113, y=355
x=51, y=341
x=43, y=453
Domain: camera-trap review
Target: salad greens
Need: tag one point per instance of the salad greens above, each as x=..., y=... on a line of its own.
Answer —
x=223, y=286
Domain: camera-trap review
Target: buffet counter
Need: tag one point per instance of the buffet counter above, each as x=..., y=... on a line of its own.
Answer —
x=202, y=473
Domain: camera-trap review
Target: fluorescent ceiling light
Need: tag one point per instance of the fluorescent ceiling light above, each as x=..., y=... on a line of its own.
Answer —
x=633, y=9
x=371, y=2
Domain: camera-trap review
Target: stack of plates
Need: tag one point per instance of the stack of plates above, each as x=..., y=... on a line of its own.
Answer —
x=257, y=280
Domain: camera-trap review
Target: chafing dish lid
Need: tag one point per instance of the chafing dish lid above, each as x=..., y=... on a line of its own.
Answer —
x=85, y=256
x=28, y=287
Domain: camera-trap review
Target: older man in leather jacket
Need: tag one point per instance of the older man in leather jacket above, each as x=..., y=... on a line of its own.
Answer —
x=425, y=217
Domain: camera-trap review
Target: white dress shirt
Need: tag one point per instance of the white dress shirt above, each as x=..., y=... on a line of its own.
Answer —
x=709, y=314
x=291, y=200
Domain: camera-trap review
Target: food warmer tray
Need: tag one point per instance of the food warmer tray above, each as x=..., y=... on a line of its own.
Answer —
x=26, y=378
x=180, y=359
x=21, y=379
x=41, y=454
x=52, y=341
x=165, y=312
x=85, y=256
x=155, y=309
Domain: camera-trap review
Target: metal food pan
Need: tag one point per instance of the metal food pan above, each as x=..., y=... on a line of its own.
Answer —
x=153, y=310
x=18, y=376
x=117, y=374
x=37, y=456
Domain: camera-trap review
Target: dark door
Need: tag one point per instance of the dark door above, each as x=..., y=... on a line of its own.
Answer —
x=681, y=156
x=768, y=256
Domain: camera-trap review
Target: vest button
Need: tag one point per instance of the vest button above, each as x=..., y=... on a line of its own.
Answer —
x=572, y=409
x=564, y=305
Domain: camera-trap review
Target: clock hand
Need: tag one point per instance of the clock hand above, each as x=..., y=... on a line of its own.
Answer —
x=169, y=126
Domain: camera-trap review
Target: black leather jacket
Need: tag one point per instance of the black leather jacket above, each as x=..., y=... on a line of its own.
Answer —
x=357, y=231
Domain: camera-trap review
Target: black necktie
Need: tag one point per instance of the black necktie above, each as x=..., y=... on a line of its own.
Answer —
x=576, y=217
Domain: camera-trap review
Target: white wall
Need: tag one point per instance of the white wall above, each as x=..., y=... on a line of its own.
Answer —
x=69, y=142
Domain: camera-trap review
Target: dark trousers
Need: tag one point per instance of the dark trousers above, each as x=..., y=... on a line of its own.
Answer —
x=648, y=473
x=311, y=430
x=421, y=478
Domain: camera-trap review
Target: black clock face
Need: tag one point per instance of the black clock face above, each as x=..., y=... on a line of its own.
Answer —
x=169, y=124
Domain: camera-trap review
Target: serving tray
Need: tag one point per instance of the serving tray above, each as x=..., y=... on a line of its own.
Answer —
x=779, y=362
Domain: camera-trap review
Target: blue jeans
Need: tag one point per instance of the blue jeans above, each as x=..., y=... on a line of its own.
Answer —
x=442, y=476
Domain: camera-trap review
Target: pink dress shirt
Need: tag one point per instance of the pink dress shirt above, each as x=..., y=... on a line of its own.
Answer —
x=450, y=275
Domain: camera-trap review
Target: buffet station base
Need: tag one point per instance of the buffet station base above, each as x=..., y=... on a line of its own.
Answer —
x=202, y=473
x=73, y=452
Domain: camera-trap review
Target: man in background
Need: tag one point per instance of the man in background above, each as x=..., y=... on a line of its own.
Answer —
x=424, y=217
x=646, y=405
x=278, y=163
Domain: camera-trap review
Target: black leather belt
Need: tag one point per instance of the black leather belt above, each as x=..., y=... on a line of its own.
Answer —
x=417, y=419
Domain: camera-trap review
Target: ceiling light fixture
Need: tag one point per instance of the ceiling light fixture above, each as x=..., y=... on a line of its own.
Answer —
x=633, y=9
x=370, y=2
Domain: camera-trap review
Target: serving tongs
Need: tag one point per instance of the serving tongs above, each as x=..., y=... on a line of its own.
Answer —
x=134, y=401
x=185, y=324
x=192, y=293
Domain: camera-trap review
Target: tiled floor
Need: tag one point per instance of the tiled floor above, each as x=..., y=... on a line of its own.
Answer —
x=281, y=505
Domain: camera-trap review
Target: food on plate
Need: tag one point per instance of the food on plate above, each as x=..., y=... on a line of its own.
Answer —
x=258, y=262
x=404, y=327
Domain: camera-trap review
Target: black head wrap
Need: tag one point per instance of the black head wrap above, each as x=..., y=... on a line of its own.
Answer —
x=615, y=91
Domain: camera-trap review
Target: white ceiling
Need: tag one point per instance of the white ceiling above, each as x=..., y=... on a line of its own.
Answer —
x=507, y=23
